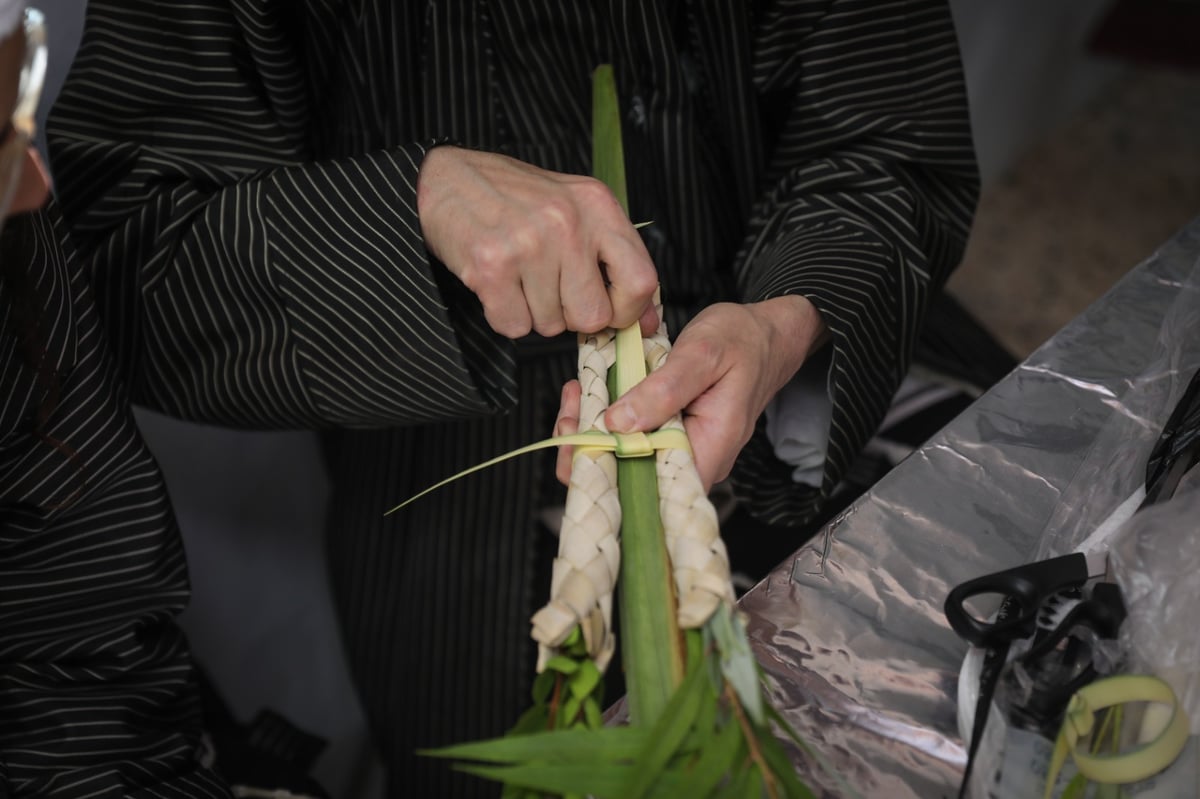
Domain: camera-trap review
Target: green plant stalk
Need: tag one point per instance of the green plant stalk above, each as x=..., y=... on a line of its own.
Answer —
x=651, y=643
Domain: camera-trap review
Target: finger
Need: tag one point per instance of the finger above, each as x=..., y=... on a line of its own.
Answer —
x=566, y=424
x=710, y=468
x=545, y=303
x=506, y=311
x=649, y=321
x=586, y=306
x=632, y=278
x=684, y=376
x=491, y=276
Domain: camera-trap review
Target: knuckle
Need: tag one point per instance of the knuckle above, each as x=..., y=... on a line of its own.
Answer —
x=489, y=256
x=662, y=393
x=559, y=213
x=522, y=242
x=550, y=327
x=644, y=281
x=516, y=330
x=589, y=319
x=595, y=191
x=507, y=325
x=707, y=351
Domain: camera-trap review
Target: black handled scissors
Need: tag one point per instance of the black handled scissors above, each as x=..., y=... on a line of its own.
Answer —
x=1023, y=589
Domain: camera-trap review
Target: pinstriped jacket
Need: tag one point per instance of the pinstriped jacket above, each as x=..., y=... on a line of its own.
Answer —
x=243, y=178
x=240, y=179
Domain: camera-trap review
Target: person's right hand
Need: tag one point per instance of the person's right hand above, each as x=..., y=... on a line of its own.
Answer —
x=543, y=251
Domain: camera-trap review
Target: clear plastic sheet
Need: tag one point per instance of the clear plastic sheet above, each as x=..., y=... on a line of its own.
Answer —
x=1156, y=559
x=851, y=631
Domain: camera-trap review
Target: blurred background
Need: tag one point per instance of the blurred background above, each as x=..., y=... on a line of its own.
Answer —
x=1086, y=116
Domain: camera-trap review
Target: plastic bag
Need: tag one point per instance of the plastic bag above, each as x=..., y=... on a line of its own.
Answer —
x=1156, y=559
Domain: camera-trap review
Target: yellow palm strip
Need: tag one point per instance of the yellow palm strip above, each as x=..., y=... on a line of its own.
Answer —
x=623, y=445
x=1138, y=764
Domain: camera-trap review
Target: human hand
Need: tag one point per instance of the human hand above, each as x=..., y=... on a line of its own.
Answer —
x=567, y=424
x=724, y=367
x=543, y=251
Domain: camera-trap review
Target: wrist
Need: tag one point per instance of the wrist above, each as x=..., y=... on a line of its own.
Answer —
x=431, y=170
x=797, y=327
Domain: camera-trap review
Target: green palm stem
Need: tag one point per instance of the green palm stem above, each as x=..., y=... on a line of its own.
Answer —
x=651, y=642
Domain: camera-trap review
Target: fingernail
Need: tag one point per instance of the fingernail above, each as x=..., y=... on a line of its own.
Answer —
x=621, y=418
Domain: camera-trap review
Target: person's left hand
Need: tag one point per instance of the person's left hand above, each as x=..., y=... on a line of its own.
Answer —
x=724, y=367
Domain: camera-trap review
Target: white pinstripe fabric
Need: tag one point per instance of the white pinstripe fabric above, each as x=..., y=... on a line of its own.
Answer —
x=95, y=691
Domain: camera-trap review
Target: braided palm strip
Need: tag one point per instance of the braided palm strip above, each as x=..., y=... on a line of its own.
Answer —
x=584, y=574
x=699, y=561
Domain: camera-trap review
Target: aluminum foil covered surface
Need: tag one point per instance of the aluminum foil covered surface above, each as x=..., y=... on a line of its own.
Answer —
x=850, y=629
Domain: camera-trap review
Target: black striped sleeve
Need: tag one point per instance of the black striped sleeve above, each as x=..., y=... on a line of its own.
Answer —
x=97, y=695
x=870, y=189
x=243, y=281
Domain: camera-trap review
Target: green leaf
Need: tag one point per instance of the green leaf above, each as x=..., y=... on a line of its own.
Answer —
x=592, y=778
x=774, y=716
x=696, y=642
x=608, y=744
x=737, y=661
x=535, y=719
x=735, y=787
x=782, y=768
x=573, y=637
x=584, y=680
x=543, y=687
x=706, y=719
x=712, y=763
x=754, y=785
x=599, y=780
x=669, y=732
x=562, y=665
x=568, y=713
x=591, y=713
x=1075, y=787
x=517, y=792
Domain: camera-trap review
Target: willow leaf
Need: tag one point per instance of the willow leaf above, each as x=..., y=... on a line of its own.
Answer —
x=754, y=785
x=1075, y=787
x=591, y=713
x=735, y=786
x=712, y=763
x=782, y=768
x=534, y=720
x=517, y=792
x=737, y=661
x=584, y=680
x=599, y=780
x=667, y=735
x=821, y=761
x=607, y=745
x=543, y=686
x=562, y=664
x=596, y=780
x=706, y=720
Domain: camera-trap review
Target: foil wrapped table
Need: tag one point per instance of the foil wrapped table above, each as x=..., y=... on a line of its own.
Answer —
x=850, y=629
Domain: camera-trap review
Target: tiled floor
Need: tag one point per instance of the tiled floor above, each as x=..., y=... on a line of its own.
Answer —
x=1083, y=206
